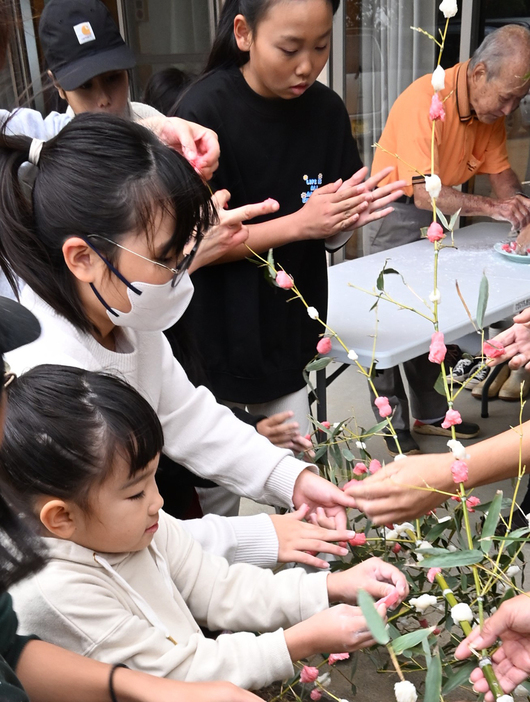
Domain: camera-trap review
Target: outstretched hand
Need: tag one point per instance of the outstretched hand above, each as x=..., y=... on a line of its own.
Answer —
x=516, y=341
x=230, y=232
x=400, y=491
x=198, y=144
x=296, y=538
x=511, y=662
x=381, y=198
x=280, y=432
x=314, y=491
x=378, y=578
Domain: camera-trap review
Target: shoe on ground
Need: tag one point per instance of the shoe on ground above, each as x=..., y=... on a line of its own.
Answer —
x=464, y=368
x=406, y=442
x=511, y=389
x=495, y=388
x=477, y=376
x=465, y=430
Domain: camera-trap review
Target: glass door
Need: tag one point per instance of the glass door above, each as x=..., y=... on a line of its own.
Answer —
x=165, y=33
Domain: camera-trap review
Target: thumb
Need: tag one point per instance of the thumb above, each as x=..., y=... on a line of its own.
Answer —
x=299, y=513
x=523, y=317
x=221, y=198
x=329, y=187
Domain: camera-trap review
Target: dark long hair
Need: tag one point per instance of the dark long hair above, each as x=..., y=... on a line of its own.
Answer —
x=224, y=51
x=100, y=175
x=64, y=428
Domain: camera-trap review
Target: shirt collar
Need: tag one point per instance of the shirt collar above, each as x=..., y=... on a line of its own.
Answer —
x=462, y=94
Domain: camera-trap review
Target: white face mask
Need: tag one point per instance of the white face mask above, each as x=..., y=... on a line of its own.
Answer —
x=158, y=307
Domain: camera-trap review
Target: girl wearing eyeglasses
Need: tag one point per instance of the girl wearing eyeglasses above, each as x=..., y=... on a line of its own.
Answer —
x=104, y=248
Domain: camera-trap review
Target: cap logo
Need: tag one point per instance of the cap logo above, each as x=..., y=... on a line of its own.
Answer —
x=84, y=32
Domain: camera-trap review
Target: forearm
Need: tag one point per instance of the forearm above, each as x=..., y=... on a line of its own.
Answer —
x=505, y=184
x=50, y=674
x=497, y=458
x=266, y=235
x=451, y=200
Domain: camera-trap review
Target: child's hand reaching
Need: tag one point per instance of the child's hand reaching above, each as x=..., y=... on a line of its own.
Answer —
x=296, y=537
x=284, y=434
x=375, y=576
x=335, y=630
x=230, y=232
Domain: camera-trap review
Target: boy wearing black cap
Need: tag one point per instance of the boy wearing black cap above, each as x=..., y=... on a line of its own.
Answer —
x=88, y=63
x=88, y=59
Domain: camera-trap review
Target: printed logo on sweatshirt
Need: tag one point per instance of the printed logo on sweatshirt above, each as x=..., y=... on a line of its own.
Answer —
x=84, y=32
x=312, y=184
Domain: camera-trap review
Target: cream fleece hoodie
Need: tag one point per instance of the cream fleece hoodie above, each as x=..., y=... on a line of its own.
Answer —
x=198, y=432
x=76, y=603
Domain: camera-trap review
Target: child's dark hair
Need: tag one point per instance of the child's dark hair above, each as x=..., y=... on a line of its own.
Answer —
x=64, y=427
x=164, y=88
x=224, y=51
x=100, y=175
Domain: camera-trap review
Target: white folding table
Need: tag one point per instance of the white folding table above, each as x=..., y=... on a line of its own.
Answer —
x=402, y=334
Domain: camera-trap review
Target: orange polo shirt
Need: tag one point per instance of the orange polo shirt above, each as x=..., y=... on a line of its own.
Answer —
x=463, y=146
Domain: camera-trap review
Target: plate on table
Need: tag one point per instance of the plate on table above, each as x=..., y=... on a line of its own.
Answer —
x=509, y=254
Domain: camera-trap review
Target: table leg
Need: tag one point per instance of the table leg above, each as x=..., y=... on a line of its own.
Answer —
x=489, y=380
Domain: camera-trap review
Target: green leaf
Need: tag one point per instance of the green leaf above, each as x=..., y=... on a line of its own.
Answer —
x=451, y=559
x=270, y=257
x=454, y=218
x=348, y=455
x=426, y=650
x=390, y=271
x=380, y=283
x=424, y=231
x=375, y=429
x=491, y=522
x=442, y=218
x=439, y=384
x=402, y=643
x=374, y=620
x=318, y=364
x=483, y=294
x=459, y=678
x=433, y=680
x=437, y=530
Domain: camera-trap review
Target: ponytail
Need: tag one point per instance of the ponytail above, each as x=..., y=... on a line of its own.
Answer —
x=20, y=248
x=100, y=175
x=225, y=52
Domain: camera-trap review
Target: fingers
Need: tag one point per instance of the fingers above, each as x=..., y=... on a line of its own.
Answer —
x=356, y=179
x=246, y=212
x=521, y=318
x=393, y=575
x=319, y=518
x=221, y=198
x=280, y=418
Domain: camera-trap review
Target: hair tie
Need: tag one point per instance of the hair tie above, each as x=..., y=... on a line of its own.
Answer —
x=35, y=151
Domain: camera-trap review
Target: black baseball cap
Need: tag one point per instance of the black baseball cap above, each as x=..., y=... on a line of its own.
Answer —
x=18, y=326
x=80, y=40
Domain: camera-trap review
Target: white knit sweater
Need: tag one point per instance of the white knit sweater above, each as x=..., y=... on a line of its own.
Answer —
x=76, y=603
x=198, y=432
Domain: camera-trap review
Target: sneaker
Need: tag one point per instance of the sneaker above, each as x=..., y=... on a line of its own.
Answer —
x=463, y=369
x=406, y=443
x=465, y=430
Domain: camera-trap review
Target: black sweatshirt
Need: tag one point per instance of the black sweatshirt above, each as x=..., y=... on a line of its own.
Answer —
x=255, y=343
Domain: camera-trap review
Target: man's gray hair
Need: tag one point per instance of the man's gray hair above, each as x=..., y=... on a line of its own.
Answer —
x=506, y=43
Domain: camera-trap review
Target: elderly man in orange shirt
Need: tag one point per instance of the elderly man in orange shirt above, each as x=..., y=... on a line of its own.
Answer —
x=478, y=95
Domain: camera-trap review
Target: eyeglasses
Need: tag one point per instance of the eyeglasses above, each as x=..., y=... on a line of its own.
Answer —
x=179, y=269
